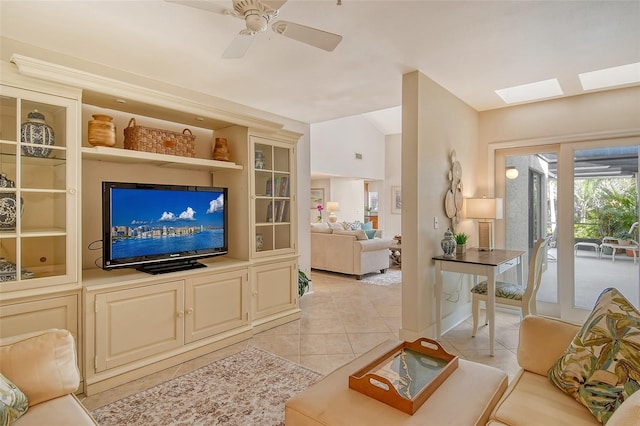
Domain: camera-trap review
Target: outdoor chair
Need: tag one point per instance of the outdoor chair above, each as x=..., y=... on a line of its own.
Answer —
x=514, y=294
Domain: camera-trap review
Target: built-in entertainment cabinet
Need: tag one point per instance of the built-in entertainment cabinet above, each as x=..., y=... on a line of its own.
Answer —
x=130, y=323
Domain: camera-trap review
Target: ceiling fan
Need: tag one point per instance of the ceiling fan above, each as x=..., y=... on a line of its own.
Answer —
x=257, y=15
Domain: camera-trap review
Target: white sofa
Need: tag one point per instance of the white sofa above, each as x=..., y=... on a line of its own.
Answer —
x=348, y=252
x=532, y=399
x=43, y=365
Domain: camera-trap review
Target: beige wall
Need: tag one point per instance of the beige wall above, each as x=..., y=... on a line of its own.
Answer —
x=434, y=122
x=592, y=113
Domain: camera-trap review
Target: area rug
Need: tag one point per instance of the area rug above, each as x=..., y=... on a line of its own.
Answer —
x=391, y=277
x=247, y=388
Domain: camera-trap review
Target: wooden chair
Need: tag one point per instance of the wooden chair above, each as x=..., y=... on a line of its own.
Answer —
x=514, y=294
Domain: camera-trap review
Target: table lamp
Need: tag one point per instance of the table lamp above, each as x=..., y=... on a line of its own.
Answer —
x=485, y=209
x=332, y=208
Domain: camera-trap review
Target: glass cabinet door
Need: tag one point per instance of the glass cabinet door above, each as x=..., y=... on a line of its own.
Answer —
x=272, y=180
x=36, y=202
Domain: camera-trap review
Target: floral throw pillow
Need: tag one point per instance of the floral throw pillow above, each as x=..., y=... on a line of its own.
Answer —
x=13, y=403
x=601, y=366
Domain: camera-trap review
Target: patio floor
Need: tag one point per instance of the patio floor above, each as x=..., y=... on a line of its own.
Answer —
x=593, y=275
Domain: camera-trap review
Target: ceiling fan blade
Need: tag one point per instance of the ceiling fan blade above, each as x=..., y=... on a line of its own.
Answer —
x=199, y=4
x=312, y=36
x=238, y=47
x=274, y=4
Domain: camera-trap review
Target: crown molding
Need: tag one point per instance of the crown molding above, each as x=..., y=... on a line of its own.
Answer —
x=111, y=87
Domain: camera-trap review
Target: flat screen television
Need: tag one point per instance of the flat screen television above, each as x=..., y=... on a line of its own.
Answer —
x=162, y=228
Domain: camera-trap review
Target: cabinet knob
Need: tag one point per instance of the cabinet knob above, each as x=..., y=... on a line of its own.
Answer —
x=255, y=292
x=180, y=314
x=189, y=311
x=72, y=191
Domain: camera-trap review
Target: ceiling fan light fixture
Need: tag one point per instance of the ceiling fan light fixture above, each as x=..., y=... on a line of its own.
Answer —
x=256, y=21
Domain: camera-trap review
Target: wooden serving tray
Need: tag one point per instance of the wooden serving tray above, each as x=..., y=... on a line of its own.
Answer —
x=407, y=375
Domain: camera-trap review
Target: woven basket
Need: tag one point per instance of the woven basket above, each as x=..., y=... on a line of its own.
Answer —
x=147, y=139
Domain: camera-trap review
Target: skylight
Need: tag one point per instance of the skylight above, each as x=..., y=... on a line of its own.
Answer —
x=608, y=77
x=531, y=91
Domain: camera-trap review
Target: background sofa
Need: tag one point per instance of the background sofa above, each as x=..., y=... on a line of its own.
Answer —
x=349, y=252
x=532, y=400
x=43, y=365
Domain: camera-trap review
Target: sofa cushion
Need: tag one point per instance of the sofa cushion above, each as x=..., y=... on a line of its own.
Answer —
x=542, y=341
x=63, y=411
x=336, y=225
x=352, y=226
x=42, y=365
x=322, y=227
x=359, y=234
x=368, y=226
x=13, y=403
x=628, y=414
x=531, y=400
x=601, y=366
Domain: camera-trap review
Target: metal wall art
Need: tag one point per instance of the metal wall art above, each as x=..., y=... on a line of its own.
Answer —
x=453, y=198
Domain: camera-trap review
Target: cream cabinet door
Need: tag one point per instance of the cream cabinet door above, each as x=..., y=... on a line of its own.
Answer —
x=215, y=303
x=273, y=290
x=139, y=322
x=37, y=315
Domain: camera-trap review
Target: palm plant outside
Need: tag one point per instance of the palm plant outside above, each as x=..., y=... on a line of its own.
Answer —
x=604, y=207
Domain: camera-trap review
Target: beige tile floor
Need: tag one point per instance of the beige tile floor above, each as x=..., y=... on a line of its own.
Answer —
x=342, y=319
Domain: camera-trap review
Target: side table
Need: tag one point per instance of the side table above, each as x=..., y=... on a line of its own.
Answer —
x=395, y=254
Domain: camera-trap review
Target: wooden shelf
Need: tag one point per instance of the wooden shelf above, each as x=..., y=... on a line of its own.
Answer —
x=118, y=155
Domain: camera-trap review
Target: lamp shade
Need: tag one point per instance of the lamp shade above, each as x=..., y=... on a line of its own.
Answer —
x=333, y=206
x=484, y=208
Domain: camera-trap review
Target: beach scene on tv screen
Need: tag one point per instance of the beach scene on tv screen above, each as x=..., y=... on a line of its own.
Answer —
x=156, y=222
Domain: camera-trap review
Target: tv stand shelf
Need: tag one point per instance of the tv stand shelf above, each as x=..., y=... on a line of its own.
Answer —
x=100, y=279
x=119, y=155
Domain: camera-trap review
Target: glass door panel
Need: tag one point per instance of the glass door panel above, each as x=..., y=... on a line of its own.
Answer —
x=605, y=210
x=272, y=180
x=37, y=206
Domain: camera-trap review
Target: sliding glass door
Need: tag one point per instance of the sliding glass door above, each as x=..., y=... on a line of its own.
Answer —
x=577, y=193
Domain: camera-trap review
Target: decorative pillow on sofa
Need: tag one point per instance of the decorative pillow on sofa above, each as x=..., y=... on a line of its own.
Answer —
x=322, y=227
x=371, y=233
x=367, y=226
x=336, y=225
x=352, y=226
x=601, y=366
x=13, y=403
x=359, y=234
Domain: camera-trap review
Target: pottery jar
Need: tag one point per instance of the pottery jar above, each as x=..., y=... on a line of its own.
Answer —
x=102, y=131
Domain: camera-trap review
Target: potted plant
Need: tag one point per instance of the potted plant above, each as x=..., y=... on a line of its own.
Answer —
x=303, y=283
x=461, y=241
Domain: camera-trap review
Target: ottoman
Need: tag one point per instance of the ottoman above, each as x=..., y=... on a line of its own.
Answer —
x=466, y=398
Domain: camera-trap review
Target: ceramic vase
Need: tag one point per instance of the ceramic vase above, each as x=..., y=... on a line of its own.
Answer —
x=102, y=131
x=36, y=131
x=8, y=205
x=259, y=242
x=259, y=159
x=448, y=244
x=221, y=150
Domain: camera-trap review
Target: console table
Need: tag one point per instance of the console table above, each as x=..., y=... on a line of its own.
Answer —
x=475, y=262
